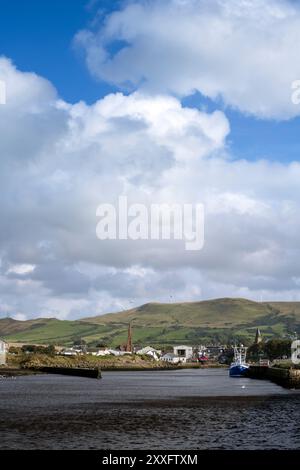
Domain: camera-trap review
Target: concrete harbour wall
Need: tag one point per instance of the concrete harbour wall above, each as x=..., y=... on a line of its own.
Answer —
x=289, y=378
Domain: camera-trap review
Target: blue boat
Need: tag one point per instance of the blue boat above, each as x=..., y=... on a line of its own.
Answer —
x=239, y=367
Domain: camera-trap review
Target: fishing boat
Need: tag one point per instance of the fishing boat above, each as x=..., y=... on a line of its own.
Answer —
x=239, y=367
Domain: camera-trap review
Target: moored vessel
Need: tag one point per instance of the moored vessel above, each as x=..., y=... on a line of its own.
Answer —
x=239, y=366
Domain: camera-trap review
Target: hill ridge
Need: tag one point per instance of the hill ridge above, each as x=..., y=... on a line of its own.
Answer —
x=211, y=320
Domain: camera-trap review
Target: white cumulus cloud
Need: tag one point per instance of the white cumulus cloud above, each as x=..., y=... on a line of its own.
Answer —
x=245, y=53
x=59, y=161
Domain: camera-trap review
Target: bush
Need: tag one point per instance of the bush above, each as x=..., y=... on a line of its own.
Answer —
x=14, y=350
x=36, y=349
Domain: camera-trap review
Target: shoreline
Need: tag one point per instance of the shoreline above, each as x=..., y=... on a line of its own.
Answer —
x=20, y=371
x=17, y=372
x=156, y=369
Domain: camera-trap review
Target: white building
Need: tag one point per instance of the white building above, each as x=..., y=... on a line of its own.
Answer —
x=117, y=352
x=149, y=351
x=69, y=352
x=3, y=350
x=183, y=352
x=170, y=357
x=103, y=352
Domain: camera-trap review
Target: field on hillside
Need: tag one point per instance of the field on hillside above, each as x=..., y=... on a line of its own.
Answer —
x=221, y=320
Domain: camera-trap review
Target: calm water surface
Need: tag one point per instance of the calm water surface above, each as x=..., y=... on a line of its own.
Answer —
x=186, y=409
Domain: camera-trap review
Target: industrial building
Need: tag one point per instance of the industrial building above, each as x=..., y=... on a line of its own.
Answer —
x=183, y=352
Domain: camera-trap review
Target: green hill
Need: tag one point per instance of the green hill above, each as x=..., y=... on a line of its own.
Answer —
x=220, y=320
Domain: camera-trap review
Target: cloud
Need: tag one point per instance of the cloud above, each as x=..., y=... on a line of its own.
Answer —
x=19, y=316
x=220, y=48
x=21, y=269
x=153, y=149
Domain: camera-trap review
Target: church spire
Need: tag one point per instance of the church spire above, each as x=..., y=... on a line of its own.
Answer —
x=258, y=337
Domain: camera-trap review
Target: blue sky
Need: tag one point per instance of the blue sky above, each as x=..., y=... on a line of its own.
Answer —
x=40, y=38
x=255, y=138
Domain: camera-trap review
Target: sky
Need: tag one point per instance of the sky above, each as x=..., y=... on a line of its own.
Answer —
x=181, y=101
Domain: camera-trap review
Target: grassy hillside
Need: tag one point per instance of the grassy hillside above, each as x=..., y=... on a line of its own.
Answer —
x=216, y=313
x=46, y=331
x=221, y=320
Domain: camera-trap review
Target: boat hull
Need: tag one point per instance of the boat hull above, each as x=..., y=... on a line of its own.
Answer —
x=237, y=370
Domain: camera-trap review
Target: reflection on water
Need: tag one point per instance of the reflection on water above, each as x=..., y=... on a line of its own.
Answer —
x=186, y=409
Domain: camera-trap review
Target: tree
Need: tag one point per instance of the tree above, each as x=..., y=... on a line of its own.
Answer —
x=79, y=342
x=256, y=351
x=28, y=348
x=273, y=349
x=50, y=350
x=101, y=345
x=278, y=348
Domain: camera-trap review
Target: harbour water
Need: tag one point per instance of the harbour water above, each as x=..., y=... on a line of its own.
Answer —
x=184, y=409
